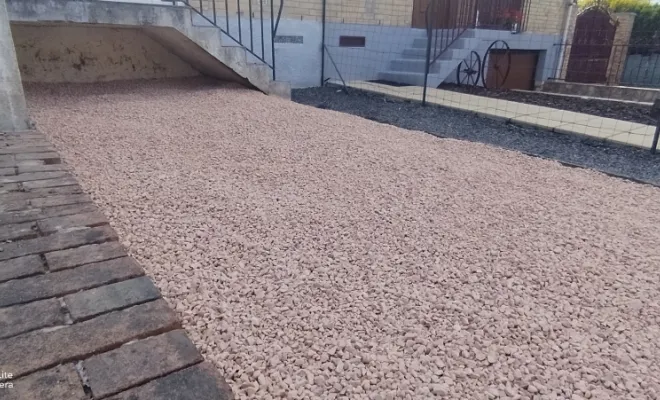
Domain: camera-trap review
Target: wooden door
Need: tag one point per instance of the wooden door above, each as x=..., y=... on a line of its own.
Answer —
x=521, y=73
x=591, y=47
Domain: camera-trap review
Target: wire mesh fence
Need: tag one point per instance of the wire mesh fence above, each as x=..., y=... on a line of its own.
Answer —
x=544, y=63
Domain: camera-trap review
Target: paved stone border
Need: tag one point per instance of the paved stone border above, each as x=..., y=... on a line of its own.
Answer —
x=78, y=318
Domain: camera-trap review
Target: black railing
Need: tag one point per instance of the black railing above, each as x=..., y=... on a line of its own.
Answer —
x=200, y=9
x=507, y=15
x=447, y=20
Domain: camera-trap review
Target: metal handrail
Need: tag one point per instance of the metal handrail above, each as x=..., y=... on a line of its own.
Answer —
x=274, y=24
x=447, y=36
x=461, y=17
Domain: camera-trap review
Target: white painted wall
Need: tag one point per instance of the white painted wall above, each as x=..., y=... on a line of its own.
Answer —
x=382, y=45
x=300, y=63
x=296, y=63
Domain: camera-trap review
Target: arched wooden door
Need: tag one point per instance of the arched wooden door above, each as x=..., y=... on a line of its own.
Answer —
x=591, y=47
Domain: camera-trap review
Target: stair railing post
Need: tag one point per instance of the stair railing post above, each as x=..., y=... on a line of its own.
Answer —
x=272, y=35
x=240, y=31
x=429, y=34
x=323, y=42
x=655, y=114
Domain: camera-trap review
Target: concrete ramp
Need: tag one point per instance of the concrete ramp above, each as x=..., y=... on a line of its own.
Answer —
x=85, y=41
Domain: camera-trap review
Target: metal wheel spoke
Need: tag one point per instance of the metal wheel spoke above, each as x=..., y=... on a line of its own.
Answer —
x=468, y=68
x=464, y=77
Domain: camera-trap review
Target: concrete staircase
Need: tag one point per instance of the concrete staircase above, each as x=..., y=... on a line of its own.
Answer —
x=410, y=67
x=171, y=26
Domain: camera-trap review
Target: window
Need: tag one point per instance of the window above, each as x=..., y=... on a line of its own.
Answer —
x=352, y=41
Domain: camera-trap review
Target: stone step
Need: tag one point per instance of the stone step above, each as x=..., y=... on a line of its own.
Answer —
x=408, y=65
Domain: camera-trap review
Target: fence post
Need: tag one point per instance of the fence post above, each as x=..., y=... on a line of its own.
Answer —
x=426, y=69
x=323, y=43
x=655, y=113
x=429, y=35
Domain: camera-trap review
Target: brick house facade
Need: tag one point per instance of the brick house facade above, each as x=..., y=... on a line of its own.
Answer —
x=543, y=16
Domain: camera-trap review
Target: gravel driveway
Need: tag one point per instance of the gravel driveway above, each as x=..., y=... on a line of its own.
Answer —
x=318, y=255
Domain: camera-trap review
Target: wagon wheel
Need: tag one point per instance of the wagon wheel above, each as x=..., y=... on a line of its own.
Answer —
x=469, y=70
x=500, y=52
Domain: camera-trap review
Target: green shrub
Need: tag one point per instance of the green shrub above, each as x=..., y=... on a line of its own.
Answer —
x=616, y=5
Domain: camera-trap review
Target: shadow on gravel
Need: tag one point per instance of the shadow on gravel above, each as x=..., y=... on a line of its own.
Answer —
x=576, y=151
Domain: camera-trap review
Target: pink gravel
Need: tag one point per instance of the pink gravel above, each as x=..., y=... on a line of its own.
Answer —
x=318, y=255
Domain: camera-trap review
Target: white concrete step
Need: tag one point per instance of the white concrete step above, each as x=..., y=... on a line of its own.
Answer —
x=441, y=42
x=414, y=53
x=410, y=67
x=420, y=54
x=410, y=78
x=418, y=65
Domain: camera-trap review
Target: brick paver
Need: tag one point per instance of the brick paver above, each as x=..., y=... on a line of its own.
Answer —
x=61, y=382
x=89, y=303
x=194, y=383
x=78, y=256
x=28, y=317
x=60, y=283
x=140, y=362
x=21, y=267
x=78, y=318
x=34, y=214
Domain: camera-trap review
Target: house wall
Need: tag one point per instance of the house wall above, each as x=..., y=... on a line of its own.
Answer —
x=382, y=45
x=544, y=16
x=374, y=12
x=385, y=24
x=89, y=53
x=298, y=48
x=80, y=53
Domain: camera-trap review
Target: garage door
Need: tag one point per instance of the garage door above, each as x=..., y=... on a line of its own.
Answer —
x=522, y=72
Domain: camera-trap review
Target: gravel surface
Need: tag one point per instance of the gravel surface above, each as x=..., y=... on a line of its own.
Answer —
x=317, y=255
x=577, y=150
x=602, y=108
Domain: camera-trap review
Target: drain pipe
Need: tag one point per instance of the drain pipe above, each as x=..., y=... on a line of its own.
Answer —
x=564, y=37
